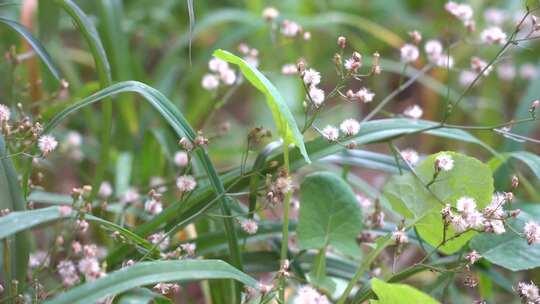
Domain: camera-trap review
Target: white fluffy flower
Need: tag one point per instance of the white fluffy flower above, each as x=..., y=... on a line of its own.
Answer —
x=289, y=69
x=39, y=258
x=474, y=219
x=506, y=71
x=153, y=206
x=445, y=162
x=5, y=113
x=312, y=77
x=331, y=133
x=160, y=238
x=217, y=65
x=228, y=76
x=363, y=201
x=73, y=139
x=317, y=96
x=186, y=183
x=308, y=295
x=495, y=207
x=463, y=12
x=459, y=223
x=270, y=13
x=89, y=266
x=532, y=232
x=478, y=65
x=411, y=156
x=131, y=195
x=409, y=53
x=249, y=226
x=400, y=236
x=466, y=78
x=466, y=204
x=497, y=226
x=444, y=61
x=181, y=158
x=290, y=28
x=47, y=144
x=433, y=48
x=364, y=95
x=493, y=35
x=528, y=292
x=105, y=189
x=210, y=82
x=414, y=111
x=68, y=272
x=350, y=127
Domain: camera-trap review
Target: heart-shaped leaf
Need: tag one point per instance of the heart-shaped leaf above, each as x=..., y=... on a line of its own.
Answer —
x=398, y=293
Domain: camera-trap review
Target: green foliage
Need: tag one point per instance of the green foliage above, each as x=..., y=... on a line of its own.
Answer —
x=147, y=273
x=409, y=196
x=398, y=293
x=283, y=118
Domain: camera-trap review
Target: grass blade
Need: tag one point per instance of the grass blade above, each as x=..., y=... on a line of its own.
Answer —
x=150, y=273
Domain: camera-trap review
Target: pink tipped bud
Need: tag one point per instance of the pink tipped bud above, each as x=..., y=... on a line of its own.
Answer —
x=342, y=42
x=416, y=37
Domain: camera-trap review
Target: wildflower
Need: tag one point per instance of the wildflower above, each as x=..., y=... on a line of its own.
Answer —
x=433, y=49
x=474, y=219
x=400, y=236
x=39, y=258
x=342, y=42
x=166, y=288
x=416, y=37
x=363, y=201
x=76, y=247
x=73, y=139
x=316, y=95
x=466, y=205
x=352, y=65
x=217, y=65
x=515, y=179
x=495, y=226
x=414, y=112
x=290, y=28
x=312, y=77
x=186, y=183
x=210, y=82
x=181, y=159
x=506, y=71
x=160, y=238
x=495, y=207
x=131, y=195
x=532, y=232
x=47, y=144
x=459, y=223
x=227, y=76
x=307, y=35
x=364, y=95
x=446, y=212
x=128, y=263
x=186, y=143
x=153, y=206
x=494, y=16
x=105, y=189
x=409, y=53
x=5, y=113
x=480, y=66
x=65, y=210
x=493, y=35
x=90, y=251
x=264, y=288
x=89, y=267
x=444, y=161
x=81, y=225
x=463, y=12
x=410, y=156
x=350, y=127
x=308, y=295
x=331, y=133
x=68, y=272
x=189, y=249
x=445, y=61
x=534, y=105
x=473, y=256
x=289, y=69
x=270, y=13
x=528, y=292
x=249, y=226
x=466, y=78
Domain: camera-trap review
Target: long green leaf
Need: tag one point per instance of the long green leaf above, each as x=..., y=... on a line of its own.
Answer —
x=36, y=45
x=150, y=273
x=283, y=117
x=17, y=251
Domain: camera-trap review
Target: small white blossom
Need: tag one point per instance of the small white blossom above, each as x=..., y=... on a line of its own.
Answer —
x=459, y=223
x=532, y=232
x=81, y=225
x=228, y=76
x=496, y=226
x=331, y=133
x=493, y=35
x=65, y=210
x=105, y=189
x=400, y=236
x=181, y=159
x=414, y=112
x=130, y=196
x=308, y=295
x=528, y=292
x=5, y=113
x=434, y=49
x=411, y=156
x=89, y=267
x=463, y=12
x=466, y=205
x=474, y=219
x=506, y=71
x=466, y=78
x=316, y=95
x=68, y=272
x=39, y=258
x=312, y=77
x=270, y=13
x=47, y=144
x=445, y=162
x=249, y=226
x=73, y=139
x=363, y=201
x=445, y=61
x=473, y=257
x=290, y=28
x=350, y=127
x=210, y=82
x=364, y=95
x=189, y=249
x=307, y=35
x=409, y=53
x=186, y=183
x=153, y=206
x=289, y=69
x=160, y=238
x=217, y=65
x=478, y=65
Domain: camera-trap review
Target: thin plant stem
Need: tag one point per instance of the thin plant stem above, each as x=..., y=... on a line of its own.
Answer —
x=285, y=230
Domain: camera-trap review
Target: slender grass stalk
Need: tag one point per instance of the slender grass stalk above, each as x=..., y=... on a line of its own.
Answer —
x=285, y=229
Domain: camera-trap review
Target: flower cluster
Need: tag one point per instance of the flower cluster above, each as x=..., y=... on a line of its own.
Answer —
x=309, y=295
x=221, y=73
x=528, y=292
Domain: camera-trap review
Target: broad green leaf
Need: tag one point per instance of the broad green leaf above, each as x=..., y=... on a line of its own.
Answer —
x=409, y=197
x=329, y=214
x=509, y=250
x=529, y=159
x=36, y=45
x=17, y=252
x=283, y=118
x=399, y=293
x=147, y=273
